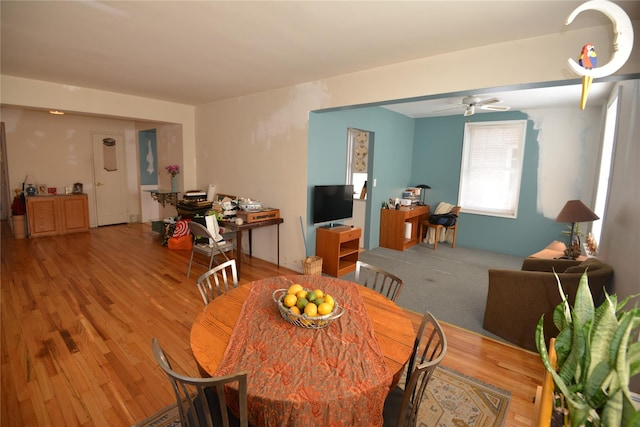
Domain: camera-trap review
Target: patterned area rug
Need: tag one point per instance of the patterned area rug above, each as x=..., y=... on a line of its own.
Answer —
x=451, y=400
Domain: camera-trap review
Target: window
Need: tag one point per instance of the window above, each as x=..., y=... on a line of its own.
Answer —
x=606, y=159
x=491, y=169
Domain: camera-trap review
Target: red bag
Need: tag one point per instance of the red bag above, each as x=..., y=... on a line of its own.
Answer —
x=181, y=243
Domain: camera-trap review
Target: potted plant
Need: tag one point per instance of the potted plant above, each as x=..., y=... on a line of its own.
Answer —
x=597, y=352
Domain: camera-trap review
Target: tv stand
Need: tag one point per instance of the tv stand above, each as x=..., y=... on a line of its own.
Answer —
x=332, y=225
x=339, y=247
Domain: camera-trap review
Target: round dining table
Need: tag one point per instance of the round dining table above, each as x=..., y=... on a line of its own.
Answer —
x=337, y=375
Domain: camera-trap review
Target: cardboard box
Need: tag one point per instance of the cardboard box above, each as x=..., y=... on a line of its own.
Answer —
x=263, y=214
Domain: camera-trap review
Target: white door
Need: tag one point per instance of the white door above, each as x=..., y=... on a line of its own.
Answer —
x=110, y=179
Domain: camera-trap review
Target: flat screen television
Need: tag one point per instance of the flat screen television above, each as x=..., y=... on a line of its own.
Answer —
x=332, y=203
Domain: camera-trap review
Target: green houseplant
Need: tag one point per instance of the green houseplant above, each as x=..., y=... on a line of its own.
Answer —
x=597, y=353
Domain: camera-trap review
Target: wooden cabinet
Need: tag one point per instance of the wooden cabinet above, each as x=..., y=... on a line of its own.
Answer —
x=339, y=248
x=53, y=215
x=392, y=226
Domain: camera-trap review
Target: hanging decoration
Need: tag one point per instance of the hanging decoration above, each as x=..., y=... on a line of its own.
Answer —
x=622, y=45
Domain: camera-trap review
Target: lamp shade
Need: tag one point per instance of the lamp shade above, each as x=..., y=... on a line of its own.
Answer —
x=576, y=211
x=422, y=186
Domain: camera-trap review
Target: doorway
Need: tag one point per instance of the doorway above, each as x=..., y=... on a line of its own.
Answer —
x=109, y=176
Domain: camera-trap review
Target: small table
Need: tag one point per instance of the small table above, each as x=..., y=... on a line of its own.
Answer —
x=213, y=328
x=164, y=196
x=231, y=225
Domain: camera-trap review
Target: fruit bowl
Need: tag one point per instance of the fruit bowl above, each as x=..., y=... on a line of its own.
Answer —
x=303, y=320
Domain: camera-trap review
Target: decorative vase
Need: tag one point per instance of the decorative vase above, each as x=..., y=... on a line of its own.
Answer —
x=173, y=184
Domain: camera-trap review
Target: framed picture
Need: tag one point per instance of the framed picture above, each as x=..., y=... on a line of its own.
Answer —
x=52, y=190
x=42, y=188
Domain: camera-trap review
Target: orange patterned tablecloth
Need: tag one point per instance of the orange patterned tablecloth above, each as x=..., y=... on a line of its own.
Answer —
x=335, y=376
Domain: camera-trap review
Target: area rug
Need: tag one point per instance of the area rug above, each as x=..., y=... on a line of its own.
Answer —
x=451, y=400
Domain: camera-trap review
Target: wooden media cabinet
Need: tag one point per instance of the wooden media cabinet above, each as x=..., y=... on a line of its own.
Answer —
x=339, y=248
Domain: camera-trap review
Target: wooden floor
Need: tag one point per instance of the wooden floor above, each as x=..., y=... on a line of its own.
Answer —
x=79, y=311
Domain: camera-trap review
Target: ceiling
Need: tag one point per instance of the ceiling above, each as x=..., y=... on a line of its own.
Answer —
x=197, y=52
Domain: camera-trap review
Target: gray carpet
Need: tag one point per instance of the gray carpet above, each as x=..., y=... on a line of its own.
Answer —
x=450, y=283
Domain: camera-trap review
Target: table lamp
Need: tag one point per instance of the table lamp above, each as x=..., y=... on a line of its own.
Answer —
x=423, y=193
x=575, y=211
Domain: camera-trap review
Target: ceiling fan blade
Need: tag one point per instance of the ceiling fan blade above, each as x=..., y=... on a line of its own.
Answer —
x=488, y=101
x=494, y=107
x=449, y=109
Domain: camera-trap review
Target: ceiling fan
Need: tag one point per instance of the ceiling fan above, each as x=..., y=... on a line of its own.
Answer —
x=473, y=103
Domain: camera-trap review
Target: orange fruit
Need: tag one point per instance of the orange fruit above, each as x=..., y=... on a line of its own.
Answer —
x=324, y=308
x=329, y=300
x=289, y=300
x=319, y=293
x=311, y=309
x=295, y=288
x=295, y=310
x=301, y=294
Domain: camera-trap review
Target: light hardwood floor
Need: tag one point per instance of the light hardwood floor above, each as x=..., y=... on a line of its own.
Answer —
x=79, y=311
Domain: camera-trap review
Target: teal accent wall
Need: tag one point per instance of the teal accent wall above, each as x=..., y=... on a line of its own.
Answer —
x=437, y=161
x=408, y=152
x=390, y=155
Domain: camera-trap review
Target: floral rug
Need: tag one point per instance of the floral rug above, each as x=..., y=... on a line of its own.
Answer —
x=451, y=400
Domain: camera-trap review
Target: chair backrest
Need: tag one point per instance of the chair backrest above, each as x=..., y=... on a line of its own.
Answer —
x=428, y=351
x=378, y=280
x=199, y=231
x=223, y=275
x=202, y=401
x=456, y=211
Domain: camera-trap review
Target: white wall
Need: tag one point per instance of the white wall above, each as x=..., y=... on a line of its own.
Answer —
x=256, y=145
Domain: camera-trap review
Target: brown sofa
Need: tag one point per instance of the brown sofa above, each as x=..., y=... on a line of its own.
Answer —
x=517, y=299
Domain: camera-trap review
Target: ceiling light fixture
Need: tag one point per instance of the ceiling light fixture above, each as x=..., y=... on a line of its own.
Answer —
x=56, y=112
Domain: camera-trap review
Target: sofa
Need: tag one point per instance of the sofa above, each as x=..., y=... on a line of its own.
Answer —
x=516, y=299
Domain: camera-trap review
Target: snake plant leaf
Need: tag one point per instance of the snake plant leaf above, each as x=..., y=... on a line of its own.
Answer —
x=544, y=356
x=583, y=308
x=596, y=383
x=563, y=345
x=619, y=345
x=566, y=310
x=571, y=371
x=630, y=416
x=603, y=331
x=633, y=357
x=612, y=411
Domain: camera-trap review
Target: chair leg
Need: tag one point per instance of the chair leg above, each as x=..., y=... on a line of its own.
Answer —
x=190, y=261
x=436, y=237
x=455, y=231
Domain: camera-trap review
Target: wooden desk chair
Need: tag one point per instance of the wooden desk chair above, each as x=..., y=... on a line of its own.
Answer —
x=379, y=280
x=425, y=225
x=401, y=406
x=205, y=243
x=224, y=276
x=201, y=401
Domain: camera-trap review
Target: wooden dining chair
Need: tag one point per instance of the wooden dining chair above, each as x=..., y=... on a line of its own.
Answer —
x=201, y=401
x=205, y=243
x=379, y=280
x=401, y=406
x=218, y=280
x=425, y=225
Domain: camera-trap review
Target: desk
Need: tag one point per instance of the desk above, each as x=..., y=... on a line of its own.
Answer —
x=212, y=330
x=231, y=225
x=392, y=224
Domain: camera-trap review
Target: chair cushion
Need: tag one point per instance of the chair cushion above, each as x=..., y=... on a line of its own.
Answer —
x=592, y=263
x=392, y=406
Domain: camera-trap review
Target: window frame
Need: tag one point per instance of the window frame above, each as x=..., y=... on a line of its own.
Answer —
x=513, y=169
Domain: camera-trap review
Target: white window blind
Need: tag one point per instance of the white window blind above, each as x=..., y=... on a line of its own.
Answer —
x=491, y=169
